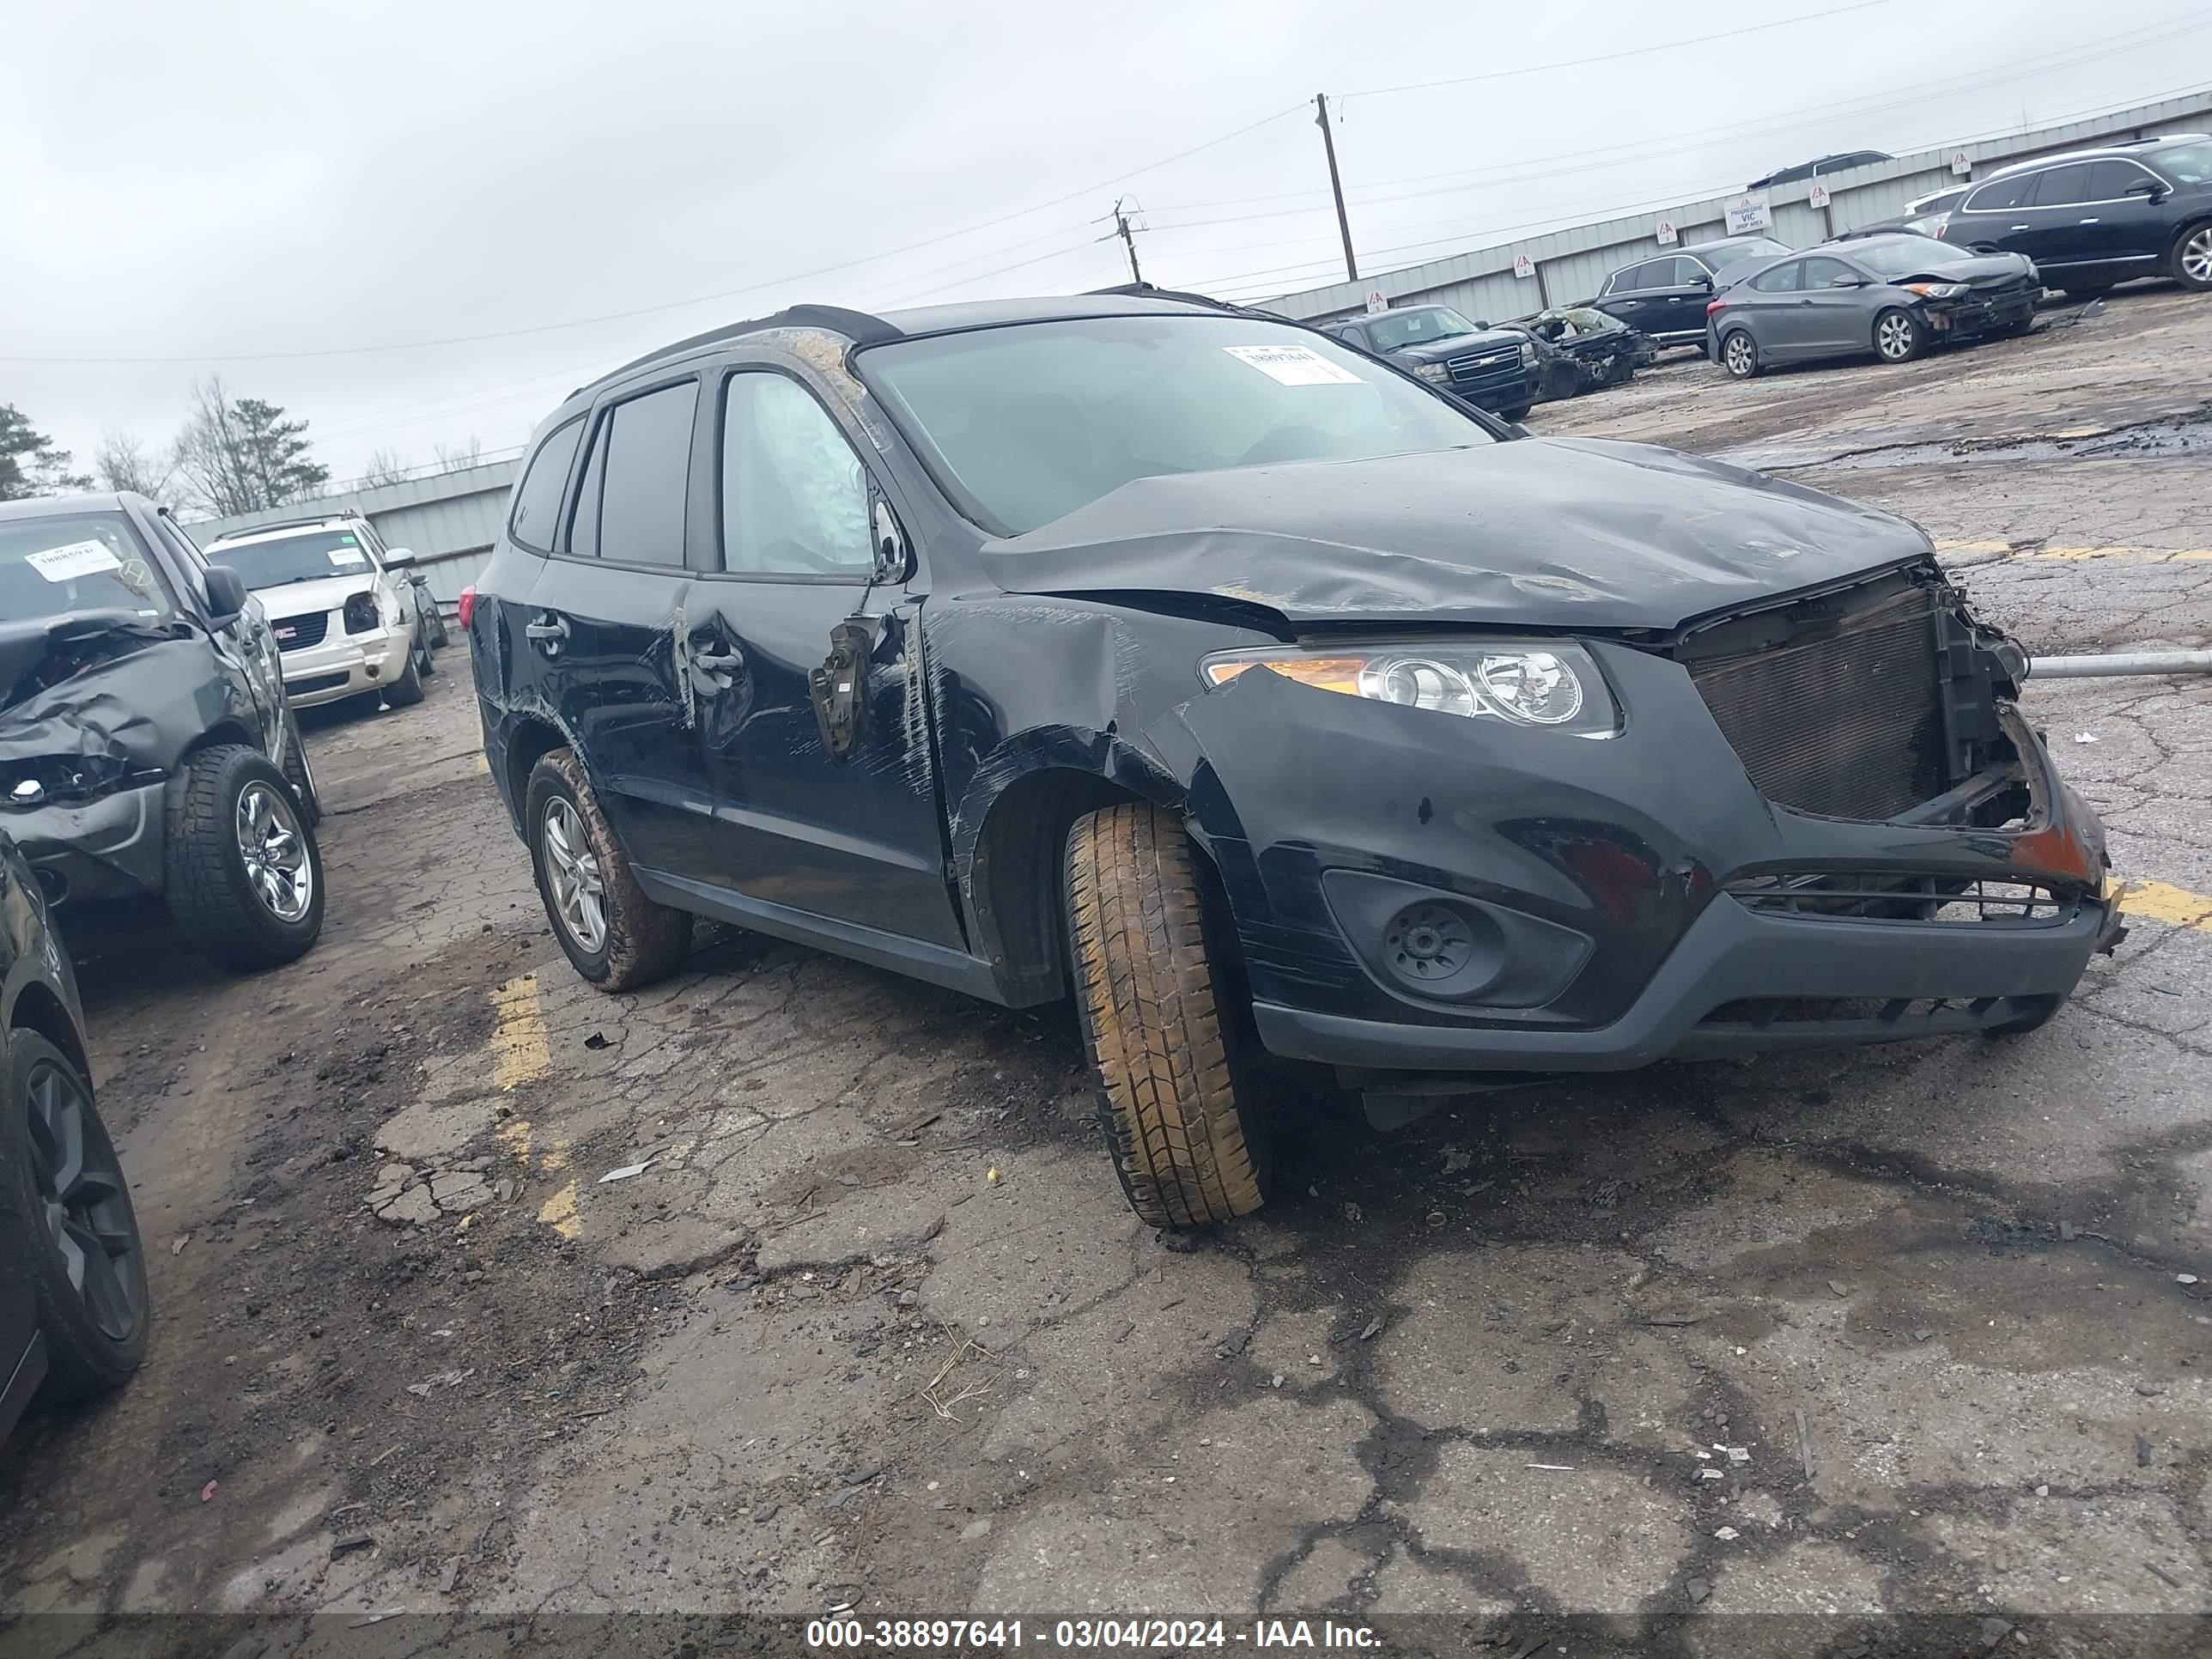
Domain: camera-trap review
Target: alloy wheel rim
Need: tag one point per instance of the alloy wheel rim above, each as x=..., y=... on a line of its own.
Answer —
x=275, y=853
x=2197, y=256
x=83, y=1204
x=1739, y=353
x=579, y=889
x=1896, y=336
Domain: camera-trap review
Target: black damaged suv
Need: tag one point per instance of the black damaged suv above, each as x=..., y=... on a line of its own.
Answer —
x=1269, y=700
x=145, y=747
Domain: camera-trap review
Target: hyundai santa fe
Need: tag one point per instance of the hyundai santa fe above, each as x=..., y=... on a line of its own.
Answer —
x=1268, y=700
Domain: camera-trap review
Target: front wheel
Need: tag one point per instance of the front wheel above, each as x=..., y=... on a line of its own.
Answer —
x=245, y=873
x=2191, y=261
x=1188, y=1142
x=613, y=935
x=1740, y=354
x=407, y=690
x=1899, y=335
x=66, y=1225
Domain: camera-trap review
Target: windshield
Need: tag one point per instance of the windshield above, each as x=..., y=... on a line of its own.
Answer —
x=1908, y=255
x=85, y=561
x=1026, y=423
x=307, y=557
x=1392, y=329
x=2185, y=164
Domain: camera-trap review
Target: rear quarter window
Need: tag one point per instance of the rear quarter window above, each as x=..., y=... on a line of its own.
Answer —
x=537, y=496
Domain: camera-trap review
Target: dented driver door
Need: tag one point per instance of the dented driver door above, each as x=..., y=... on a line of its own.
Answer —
x=805, y=674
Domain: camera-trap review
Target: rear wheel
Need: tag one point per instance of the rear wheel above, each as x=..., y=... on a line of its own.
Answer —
x=2191, y=262
x=1740, y=354
x=613, y=934
x=66, y=1224
x=244, y=879
x=1899, y=335
x=1188, y=1141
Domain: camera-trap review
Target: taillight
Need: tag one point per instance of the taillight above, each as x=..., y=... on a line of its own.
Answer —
x=361, y=613
x=468, y=606
x=1940, y=229
x=1711, y=306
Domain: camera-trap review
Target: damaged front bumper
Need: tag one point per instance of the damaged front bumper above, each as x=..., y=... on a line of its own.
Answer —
x=346, y=666
x=1981, y=312
x=110, y=847
x=1600, y=905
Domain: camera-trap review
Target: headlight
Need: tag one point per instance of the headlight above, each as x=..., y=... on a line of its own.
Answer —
x=361, y=613
x=1937, y=290
x=1547, y=684
x=2033, y=275
x=1434, y=373
x=1529, y=352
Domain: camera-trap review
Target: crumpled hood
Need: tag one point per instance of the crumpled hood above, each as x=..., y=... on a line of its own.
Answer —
x=1555, y=532
x=306, y=599
x=104, y=684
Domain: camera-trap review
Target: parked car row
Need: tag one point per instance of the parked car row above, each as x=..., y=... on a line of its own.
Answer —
x=1274, y=704
x=1503, y=368
x=150, y=750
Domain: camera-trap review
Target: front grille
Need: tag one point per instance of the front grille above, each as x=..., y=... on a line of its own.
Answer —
x=1848, y=723
x=1940, y=899
x=1486, y=368
x=298, y=633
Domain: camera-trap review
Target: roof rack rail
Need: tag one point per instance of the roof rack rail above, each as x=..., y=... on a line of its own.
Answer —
x=293, y=523
x=861, y=327
x=1147, y=291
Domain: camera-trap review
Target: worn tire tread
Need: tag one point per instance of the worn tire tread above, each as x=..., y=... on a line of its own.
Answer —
x=1147, y=993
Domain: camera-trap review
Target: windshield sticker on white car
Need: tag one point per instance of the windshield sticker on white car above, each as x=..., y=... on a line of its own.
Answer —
x=346, y=558
x=75, y=559
x=1293, y=365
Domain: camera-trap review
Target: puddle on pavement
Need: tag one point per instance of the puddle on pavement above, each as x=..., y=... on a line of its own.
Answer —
x=2189, y=438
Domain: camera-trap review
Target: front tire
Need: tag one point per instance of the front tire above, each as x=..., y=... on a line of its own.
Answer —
x=1189, y=1146
x=1740, y=354
x=245, y=873
x=66, y=1224
x=407, y=690
x=2190, y=260
x=1899, y=335
x=613, y=935
x=1520, y=413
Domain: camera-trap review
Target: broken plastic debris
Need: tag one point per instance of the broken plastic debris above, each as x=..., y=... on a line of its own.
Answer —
x=626, y=1172
x=1737, y=1453
x=207, y=1492
x=1727, y=1534
x=2085, y=737
x=1710, y=1474
x=991, y=1175
x=2185, y=1279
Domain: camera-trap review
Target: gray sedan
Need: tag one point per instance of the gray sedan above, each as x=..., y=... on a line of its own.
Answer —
x=1891, y=295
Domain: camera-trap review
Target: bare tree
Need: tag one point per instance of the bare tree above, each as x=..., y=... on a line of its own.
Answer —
x=241, y=455
x=384, y=467
x=123, y=463
x=452, y=458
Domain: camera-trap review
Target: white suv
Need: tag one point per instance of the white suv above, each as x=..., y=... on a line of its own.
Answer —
x=346, y=617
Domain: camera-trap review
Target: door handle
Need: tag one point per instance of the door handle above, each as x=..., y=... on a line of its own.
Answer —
x=551, y=633
x=2088, y=221
x=2023, y=227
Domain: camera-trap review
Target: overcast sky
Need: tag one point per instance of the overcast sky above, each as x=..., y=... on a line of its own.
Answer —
x=264, y=191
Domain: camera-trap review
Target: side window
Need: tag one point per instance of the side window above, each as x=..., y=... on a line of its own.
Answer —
x=794, y=495
x=1829, y=273
x=1652, y=273
x=631, y=508
x=2109, y=180
x=2064, y=186
x=538, y=497
x=1782, y=279
x=2001, y=193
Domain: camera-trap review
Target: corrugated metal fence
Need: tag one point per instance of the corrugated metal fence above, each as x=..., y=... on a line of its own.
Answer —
x=1569, y=265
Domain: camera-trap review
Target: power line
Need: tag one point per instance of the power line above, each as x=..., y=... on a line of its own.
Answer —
x=673, y=305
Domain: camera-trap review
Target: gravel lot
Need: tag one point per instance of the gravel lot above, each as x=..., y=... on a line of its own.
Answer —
x=1834, y=1338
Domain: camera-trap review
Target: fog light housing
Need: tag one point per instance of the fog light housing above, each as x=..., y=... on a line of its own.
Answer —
x=1445, y=947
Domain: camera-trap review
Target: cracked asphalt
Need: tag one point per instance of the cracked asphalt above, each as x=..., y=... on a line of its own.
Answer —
x=788, y=1286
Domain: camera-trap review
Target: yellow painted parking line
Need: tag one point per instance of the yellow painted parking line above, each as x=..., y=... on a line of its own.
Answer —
x=518, y=1054
x=560, y=1212
x=2123, y=555
x=483, y=765
x=2175, y=906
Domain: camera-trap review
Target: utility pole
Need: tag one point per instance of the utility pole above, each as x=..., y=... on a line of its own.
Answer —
x=1121, y=229
x=1335, y=184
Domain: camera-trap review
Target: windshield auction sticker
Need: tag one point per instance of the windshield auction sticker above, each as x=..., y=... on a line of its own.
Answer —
x=1293, y=365
x=68, y=562
x=347, y=557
